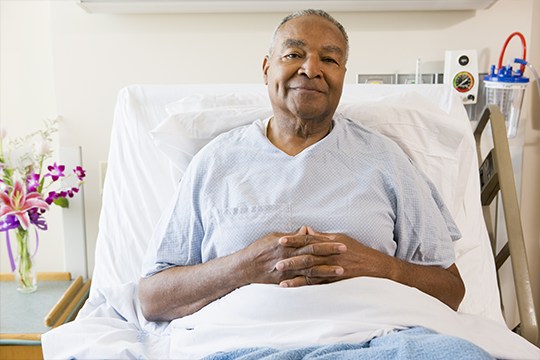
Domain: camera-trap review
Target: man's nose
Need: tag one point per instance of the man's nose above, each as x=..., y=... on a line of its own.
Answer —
x=310, y=67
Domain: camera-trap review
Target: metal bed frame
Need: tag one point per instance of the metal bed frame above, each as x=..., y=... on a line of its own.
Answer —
x=496, y=175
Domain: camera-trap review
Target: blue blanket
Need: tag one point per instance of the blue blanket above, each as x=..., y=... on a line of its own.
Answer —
x=417, y=343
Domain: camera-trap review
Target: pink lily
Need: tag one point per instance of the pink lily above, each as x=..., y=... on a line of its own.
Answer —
x=20, y=202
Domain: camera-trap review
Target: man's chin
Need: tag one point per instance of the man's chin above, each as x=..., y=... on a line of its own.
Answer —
x=312, y=111
x=313, y=116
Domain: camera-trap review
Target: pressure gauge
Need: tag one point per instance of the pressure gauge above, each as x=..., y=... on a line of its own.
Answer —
x=461, y=73
x=463, y=81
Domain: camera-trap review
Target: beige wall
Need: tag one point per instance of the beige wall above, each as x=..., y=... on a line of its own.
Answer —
x=27, y=96
x=58, y=60
x=530, y=184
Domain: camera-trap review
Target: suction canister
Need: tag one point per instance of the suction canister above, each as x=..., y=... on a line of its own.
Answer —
x=506, y=88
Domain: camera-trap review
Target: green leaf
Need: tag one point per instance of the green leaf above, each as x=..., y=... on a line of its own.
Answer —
x=62, y=202
x=7, y=177
x=40, y=188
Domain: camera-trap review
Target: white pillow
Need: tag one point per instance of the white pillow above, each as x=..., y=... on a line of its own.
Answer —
x=182, y=135
x=197, y=102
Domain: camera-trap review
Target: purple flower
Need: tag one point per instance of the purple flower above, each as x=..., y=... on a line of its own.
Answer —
x=79, y=172
x=56, y=171
x=50, y=198
x=72, y=191
x=9, y=223
x=37, y=219
x=33, y=182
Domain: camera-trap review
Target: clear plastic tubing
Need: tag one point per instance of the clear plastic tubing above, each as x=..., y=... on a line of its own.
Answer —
x=523, y=62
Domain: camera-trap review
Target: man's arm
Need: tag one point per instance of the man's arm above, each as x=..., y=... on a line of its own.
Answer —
x=360, y=260
x=183, y=290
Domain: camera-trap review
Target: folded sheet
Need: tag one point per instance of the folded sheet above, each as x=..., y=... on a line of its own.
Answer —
x=350, y=311
x=355, y=311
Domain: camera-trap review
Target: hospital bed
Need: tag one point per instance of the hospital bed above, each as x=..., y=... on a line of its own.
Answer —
x=157, y=129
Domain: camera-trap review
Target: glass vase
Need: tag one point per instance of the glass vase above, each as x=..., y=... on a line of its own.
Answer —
x=25, y=269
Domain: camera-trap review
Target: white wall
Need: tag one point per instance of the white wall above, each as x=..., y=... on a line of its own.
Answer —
x=94, y=56
x=27, y=96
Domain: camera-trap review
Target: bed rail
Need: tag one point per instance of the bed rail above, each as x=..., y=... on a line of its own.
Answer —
x=496, y=174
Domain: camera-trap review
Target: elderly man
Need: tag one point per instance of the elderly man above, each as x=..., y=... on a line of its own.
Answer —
x=302, y=198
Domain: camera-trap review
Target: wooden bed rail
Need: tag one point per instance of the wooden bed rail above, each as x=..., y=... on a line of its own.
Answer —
x=496, y=174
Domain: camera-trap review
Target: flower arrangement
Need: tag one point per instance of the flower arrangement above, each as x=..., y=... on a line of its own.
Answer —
x=27, y=190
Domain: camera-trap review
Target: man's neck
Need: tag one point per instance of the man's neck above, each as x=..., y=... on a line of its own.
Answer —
x=293, y=137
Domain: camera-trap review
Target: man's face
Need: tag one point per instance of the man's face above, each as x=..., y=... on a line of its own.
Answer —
x=306, y=70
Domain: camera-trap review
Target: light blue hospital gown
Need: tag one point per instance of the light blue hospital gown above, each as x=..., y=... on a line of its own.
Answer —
x=240, y=188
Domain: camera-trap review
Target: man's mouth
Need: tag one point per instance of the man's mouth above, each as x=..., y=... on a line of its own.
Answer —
x=306, y=89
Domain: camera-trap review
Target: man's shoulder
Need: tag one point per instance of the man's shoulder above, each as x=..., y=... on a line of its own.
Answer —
x=229, y=145
x=229, y=139
x=370, y=139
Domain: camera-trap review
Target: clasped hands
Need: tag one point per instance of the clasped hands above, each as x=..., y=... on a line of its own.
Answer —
x=308, y=257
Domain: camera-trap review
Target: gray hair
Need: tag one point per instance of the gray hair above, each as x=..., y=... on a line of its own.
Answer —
x=322, y=13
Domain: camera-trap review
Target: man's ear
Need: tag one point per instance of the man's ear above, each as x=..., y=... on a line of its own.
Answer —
x=265, y=66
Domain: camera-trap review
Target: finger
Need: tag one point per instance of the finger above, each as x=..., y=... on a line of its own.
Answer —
x=298, y=281
x=301, y=240
x=322, y=271
x=321, y=249
x=303, y=231
x=310, y=231
x=304, y=280
x=309, y=265
x=296, y=263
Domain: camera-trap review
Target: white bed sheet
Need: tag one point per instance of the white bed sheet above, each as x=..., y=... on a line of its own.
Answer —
x=138, y=185
x=355, y=310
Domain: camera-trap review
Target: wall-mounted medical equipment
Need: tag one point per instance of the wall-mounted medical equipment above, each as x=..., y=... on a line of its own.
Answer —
x=399, y=79
x=461, y=72
x=474, y=110
x=506, y=87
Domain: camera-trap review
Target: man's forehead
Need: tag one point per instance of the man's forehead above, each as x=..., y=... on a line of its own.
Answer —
x=293, y=43
x=299, y=43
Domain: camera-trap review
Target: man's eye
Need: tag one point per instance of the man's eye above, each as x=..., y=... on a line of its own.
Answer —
x=292, y=56
x=329, y=60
